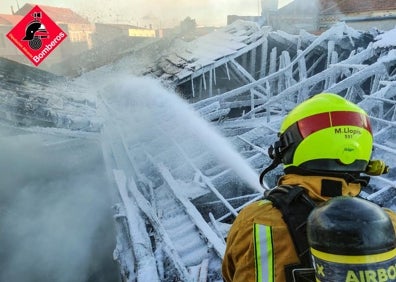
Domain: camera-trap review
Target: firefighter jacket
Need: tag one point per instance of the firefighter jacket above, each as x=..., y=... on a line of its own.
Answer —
x=259, y=245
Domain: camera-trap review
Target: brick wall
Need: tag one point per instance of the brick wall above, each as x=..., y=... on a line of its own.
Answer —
x=350, y=6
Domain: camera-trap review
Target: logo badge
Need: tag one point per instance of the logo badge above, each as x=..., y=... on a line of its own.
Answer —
x=36, y=35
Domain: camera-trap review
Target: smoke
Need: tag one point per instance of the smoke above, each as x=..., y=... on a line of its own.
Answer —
x=166, y=13
x=55, y=213
x=146, y=111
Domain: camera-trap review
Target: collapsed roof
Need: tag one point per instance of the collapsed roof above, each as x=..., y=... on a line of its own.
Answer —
x=243, y=79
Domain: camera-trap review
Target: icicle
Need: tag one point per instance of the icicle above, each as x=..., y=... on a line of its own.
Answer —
x=203, y=273
x=211, y=82
x=253, y=61
x=192, y=86
x=263, y=62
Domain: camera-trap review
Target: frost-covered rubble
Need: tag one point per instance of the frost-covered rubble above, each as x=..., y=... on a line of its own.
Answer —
x=245, y=94
x=181, y=179
x=30, y=97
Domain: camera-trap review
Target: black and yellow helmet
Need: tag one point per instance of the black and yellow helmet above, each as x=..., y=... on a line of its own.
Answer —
x=327, y=133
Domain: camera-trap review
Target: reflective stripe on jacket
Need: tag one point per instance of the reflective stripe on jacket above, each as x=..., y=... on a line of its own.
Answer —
x=263, y=253
x=259, y=245
x=258, y=239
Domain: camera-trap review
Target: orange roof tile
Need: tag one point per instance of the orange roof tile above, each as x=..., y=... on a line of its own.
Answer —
x=58, y=15
x=10, y=19
x=351, y=6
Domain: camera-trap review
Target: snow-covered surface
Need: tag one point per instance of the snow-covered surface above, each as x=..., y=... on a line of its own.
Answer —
x=386, y=39
x=32, y=97
x=186, y=58
x=175, y=179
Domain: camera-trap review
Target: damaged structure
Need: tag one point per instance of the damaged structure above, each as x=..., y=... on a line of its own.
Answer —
x=244, y=79
x=177, y=189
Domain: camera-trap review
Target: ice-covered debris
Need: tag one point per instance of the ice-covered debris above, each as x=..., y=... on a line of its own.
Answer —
x=247, y=95
x=188, y=57
x=30, y=97
x=176, y=169
x=386, y=39
x=390, y=57
x=341, y=29
x=288, y=36
x=308, y=36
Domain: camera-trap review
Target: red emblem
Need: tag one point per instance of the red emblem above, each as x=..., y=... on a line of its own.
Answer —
x=36, y=35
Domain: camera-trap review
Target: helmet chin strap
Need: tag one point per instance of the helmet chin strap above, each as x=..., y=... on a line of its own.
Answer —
x=273, y=165
x=348, y=177
x=275, y=152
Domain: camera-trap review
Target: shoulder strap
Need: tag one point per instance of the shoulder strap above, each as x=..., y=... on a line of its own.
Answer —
x=295, y=206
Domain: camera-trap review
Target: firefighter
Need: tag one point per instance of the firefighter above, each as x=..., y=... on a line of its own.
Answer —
x=325, y=146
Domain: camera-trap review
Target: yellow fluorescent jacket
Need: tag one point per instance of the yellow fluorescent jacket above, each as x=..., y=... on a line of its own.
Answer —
x=258, y=236
x=259, y=245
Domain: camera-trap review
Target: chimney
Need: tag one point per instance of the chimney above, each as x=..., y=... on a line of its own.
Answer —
x=269, y=5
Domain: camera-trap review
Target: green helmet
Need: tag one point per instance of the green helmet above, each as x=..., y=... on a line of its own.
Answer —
x=325, y=133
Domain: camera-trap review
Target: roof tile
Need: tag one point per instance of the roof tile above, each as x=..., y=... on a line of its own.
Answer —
x=10, y=19
x=354, y=6
x=58, y=15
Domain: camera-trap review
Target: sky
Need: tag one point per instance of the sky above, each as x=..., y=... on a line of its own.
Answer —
x=162, y=13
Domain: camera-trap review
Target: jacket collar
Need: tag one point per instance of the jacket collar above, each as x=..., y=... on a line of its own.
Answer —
x=321, y=188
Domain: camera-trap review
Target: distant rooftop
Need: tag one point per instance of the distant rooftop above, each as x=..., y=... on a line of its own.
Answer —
x=117, y=26
x=356, y=6
x=339, y=6
x=58, y=15
x=10, y=20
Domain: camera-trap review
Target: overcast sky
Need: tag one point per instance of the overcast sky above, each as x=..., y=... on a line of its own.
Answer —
x=161, y=12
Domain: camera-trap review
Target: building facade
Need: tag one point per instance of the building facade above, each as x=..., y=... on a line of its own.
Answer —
x=359, y=14
x=8, y=49
x=319, y=15
x=78, y=29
